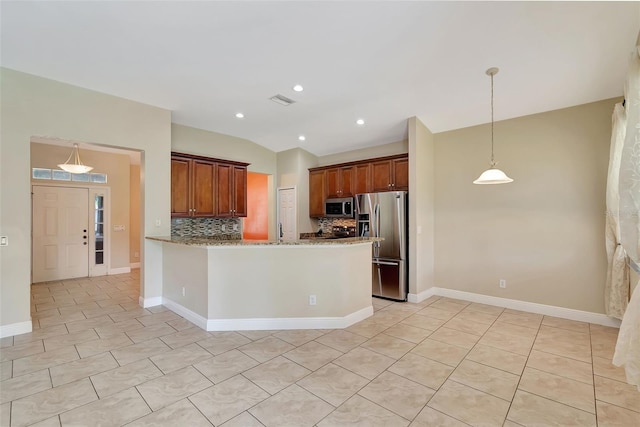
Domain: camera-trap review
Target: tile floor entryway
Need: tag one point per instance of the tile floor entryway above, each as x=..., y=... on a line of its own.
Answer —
x=96, y=358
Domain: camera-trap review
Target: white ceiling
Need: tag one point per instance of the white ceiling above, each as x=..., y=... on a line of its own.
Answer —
x=380, y=61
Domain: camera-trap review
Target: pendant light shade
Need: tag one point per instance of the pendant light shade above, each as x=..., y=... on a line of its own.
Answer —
x=492, y=175
x=76, y=166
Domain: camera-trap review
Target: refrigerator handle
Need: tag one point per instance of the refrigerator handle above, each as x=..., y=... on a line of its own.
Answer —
x=401, y=224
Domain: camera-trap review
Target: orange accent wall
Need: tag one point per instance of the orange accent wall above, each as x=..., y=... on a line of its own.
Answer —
x=256, y=224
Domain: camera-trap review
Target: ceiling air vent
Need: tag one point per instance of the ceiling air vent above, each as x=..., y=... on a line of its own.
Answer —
x=282, y=100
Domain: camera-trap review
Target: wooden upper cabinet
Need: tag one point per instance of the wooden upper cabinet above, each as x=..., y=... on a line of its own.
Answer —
x=180, y=187
x=400, y=174
x=362, y=178
x=339, y=182
x=348, y=179
x=239, y=191
x=205, y=187
x=316, y=193
x=390, y=175
x=231, y=190
x=381, y=175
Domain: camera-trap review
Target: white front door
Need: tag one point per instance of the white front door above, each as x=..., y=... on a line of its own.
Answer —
x=287, y=214
x=60, y=226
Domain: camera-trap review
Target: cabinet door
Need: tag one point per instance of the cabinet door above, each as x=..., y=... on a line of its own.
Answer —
x=381, y=175
x=400, y=174
x=346, y=181
x=332, y=182
x=203, y=185
x=316, y=193
x=239, y=191
x=362, y=178
x=180, y=189
x=224, y=187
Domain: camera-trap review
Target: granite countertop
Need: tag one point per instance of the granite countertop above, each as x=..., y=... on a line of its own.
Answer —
x=213, y=241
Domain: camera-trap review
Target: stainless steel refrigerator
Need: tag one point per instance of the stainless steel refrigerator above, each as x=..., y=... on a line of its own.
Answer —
x=385, y=215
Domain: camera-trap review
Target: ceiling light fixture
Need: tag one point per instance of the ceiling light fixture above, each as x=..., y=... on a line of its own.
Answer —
x=239, y=116
x=302, y=138
x=492, y=175
x=76, y=166
x=360, y=122
x=298, y=88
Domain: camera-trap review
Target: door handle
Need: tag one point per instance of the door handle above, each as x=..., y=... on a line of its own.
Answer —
x=386, y=263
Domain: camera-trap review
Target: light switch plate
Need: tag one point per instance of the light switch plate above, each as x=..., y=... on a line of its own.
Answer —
x=4, y=241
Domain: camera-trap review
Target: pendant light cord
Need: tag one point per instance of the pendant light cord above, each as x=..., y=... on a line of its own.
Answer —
x=493, y=163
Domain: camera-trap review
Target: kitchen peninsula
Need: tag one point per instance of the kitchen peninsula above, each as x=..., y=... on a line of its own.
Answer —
x=250, y=285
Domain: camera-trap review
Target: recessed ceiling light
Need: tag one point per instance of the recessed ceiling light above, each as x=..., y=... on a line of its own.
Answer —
x=302, y=138
x=298, y=88
x=360, y=122
x=239, y=116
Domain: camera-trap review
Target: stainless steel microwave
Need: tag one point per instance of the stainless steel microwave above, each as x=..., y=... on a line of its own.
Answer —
x=339, y=208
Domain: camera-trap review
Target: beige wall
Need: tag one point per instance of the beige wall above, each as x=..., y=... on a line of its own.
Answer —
x=421, y=207
x=134, y=214
x=37, y=107
x=391, y=149
x=185, y=139
x=116, y=166
x=293, y=171
x=543, y=233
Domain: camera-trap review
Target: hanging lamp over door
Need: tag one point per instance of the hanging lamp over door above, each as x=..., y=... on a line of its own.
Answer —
x=492, y=175
x=76, y=166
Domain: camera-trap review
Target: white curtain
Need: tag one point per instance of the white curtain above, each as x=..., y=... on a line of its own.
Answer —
x=617, y=284
x=628, y=346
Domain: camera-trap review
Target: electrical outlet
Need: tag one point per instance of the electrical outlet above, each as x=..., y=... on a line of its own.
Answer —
x=184, y=293
x=223, y=227
x=312, y=300
x=503, y=283
x=4, y=241
x=235, y=227
x=158, y=223
x=136, y=254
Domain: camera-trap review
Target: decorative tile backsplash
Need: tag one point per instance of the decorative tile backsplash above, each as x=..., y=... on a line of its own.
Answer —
x=327, y=223
x=207, y=227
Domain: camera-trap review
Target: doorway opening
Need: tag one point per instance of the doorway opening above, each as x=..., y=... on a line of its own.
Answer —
x=256, y=224
x=113, y=214
x=287, y=214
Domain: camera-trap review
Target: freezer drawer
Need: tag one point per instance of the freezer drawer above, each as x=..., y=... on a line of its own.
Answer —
x=389, y=279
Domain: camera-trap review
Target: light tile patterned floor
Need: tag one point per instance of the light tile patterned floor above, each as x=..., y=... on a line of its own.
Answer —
x=96, y=358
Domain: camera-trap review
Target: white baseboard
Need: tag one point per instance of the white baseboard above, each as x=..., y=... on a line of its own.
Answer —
x=149, y=302
x=532, y=307
x=257, y=324
x=191, y=316
x=134, y=265
x=119, y=270
x=421, y=296
x=15, y=329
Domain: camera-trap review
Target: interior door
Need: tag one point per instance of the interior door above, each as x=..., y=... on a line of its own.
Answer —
x=287, y=214
x=60, y=225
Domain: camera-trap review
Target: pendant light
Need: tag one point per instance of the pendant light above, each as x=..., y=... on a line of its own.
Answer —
x=76, y=166
x=492, y=175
